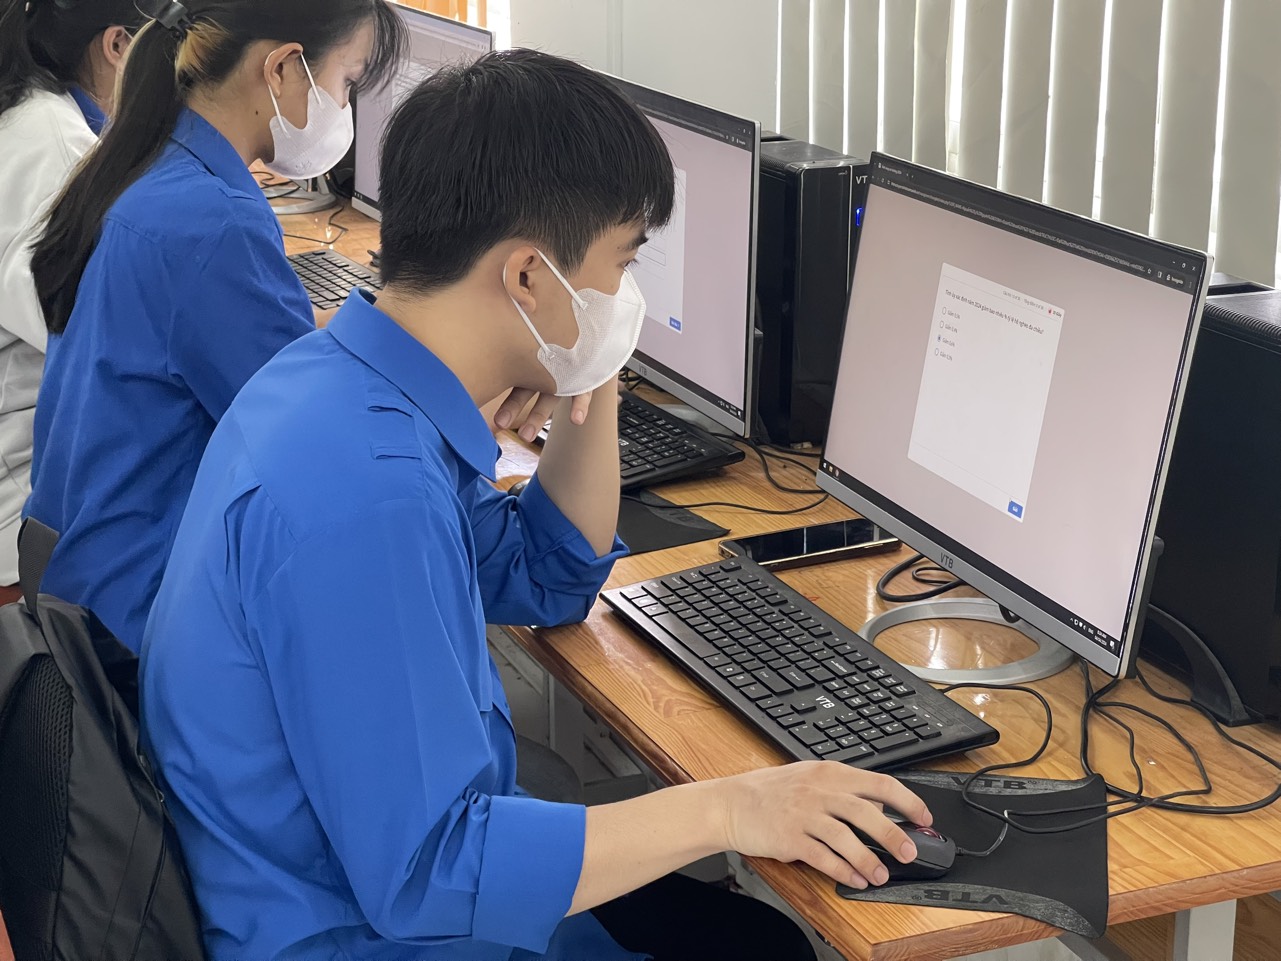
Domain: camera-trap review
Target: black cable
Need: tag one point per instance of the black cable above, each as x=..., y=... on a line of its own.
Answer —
x=882, y=586
x=329, y=225
x=727, y=504
x=797, y=451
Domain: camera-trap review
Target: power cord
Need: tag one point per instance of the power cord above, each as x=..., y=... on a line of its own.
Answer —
x=1128, y=801
x=918, y=574
x=330, y=225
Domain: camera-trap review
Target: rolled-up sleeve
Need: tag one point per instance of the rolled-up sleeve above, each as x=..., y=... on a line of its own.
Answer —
x=383, y=694
x=535, y=565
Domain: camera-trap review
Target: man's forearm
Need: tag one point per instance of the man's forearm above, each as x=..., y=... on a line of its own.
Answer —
x=579, y=467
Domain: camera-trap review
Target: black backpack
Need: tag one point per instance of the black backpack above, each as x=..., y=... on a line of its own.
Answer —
x=90, y=868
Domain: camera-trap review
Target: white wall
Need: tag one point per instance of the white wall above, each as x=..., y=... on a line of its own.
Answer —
x=723, y=53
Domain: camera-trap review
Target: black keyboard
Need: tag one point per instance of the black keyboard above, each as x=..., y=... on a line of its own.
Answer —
x=329, y=277
x=655, y=446
x=811, y=685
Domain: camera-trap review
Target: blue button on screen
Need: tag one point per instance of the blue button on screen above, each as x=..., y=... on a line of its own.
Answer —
x=1015, y=509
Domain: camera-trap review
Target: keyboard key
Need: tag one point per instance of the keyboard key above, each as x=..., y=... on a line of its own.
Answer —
x=838, y=667
x=833, y=685
x=827, y=747
x=916, y=723
x=877, y=673
x=790, y=720
x=755, y=692
x=635, y=593
x=766, y=704
x=731, y=566
x=729, y=669
x=673, y=626
x=859, y=726
x=876, y=697
x=826, y=723
x=865, y=664
x=892, y=728
x=855, y=753
x=901, y=713
x=716, y=660
x=901, y=739
x=902, y=690
x=926, y=733
x=880, y=720
x=797, y=679
x=772, y=681
x=847, y=717
x=804, y=705
x=849, y=740
x=741, y=680
x=819, y=674
x=809, y=736
x=781, y=710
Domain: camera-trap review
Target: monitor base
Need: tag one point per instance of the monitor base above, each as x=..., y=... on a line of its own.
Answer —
x=302, y=200
x=1050, y=658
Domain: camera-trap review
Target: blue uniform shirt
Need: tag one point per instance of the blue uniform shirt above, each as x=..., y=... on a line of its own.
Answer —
x=187, y=294
x=317, y=692
x=94, y=115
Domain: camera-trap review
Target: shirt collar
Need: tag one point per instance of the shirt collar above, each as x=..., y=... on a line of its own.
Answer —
x=94, y=115
x=213, y=150
x=420, y=375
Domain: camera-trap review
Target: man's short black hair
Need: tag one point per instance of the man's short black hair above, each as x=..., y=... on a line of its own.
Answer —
x=519, y=144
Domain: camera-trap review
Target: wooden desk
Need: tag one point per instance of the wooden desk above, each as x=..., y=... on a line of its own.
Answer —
x=1161, y=863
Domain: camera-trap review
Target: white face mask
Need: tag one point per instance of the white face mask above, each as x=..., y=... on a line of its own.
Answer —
x=608, y=328
x=315, y=149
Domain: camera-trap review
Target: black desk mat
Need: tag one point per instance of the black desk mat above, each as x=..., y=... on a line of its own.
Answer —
x=1060, y=879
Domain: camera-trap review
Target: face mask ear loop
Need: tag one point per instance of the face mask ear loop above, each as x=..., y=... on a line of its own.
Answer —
x=563, y=282
x=310, y=78
x=524, y=316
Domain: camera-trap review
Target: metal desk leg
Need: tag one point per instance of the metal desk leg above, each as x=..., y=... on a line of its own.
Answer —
x=1205, y=933
x=567, y=726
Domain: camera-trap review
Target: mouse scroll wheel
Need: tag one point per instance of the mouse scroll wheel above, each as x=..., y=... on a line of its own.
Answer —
x=929, y=832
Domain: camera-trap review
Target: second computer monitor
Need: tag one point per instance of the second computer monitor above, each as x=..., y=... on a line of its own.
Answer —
x=434, y=42
x=1010, y=381
x=698, y=273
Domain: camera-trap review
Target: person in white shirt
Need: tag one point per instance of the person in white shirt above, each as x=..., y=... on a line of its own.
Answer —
x=58, y=65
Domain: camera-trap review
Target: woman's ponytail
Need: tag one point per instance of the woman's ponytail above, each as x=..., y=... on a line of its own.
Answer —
x=149, y=101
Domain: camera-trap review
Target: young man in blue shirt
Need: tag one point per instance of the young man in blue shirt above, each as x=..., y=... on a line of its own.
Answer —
x=317, y=691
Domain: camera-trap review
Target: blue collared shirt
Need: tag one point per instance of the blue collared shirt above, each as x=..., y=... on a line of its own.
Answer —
x=187, y=295
x=94, y=115
x=317, y=692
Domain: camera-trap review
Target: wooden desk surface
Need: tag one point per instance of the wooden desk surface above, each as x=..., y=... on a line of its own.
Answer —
x=1159, y=862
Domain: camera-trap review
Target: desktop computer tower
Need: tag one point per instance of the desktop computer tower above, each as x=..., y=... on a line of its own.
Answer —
x=811, y=204
x=1220, y=521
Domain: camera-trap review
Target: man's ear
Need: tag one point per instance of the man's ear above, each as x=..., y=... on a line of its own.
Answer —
x=115, y=44
x=521, y=274
x=273, y=71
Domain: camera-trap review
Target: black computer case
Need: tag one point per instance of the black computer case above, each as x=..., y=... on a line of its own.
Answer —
x=811, y=202
x=1220, y=521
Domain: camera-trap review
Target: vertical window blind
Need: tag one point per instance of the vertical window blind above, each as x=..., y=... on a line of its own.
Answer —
x=1161, y=116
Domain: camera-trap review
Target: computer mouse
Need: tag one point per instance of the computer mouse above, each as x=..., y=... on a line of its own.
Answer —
x=517, y=487
x=934, y=854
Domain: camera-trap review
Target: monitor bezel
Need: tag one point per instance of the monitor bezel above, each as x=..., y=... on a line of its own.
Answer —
x=367, y=205
x=658, y=374
x=968, y=565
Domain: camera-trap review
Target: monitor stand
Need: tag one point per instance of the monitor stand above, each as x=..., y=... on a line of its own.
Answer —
x=301, y=200
x=1050, y=658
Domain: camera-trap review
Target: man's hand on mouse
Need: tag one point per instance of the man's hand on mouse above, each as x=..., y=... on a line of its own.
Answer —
x=803, y=812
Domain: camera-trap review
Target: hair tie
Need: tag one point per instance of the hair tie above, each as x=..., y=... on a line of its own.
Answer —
x=173, y=16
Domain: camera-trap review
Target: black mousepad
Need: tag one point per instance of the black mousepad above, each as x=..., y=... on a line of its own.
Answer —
x=1060, y=879
x=647, y=522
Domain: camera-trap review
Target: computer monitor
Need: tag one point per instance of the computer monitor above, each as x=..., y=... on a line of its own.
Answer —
x=434, y=42
x=698, y=273
x=1009, y=385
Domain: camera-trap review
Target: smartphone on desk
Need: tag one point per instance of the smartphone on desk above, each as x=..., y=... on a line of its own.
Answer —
x=812, y=545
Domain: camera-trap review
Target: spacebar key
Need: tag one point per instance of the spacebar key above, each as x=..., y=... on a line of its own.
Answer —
x=691, y=639
x=893, y=741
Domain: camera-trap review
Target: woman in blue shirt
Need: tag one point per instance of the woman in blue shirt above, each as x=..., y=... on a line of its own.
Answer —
x=162, y=273
x=58, y=70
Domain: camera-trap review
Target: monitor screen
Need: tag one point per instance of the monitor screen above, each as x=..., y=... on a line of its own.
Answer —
x=434, y=42
x=698, y=273
x=1009, y=384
